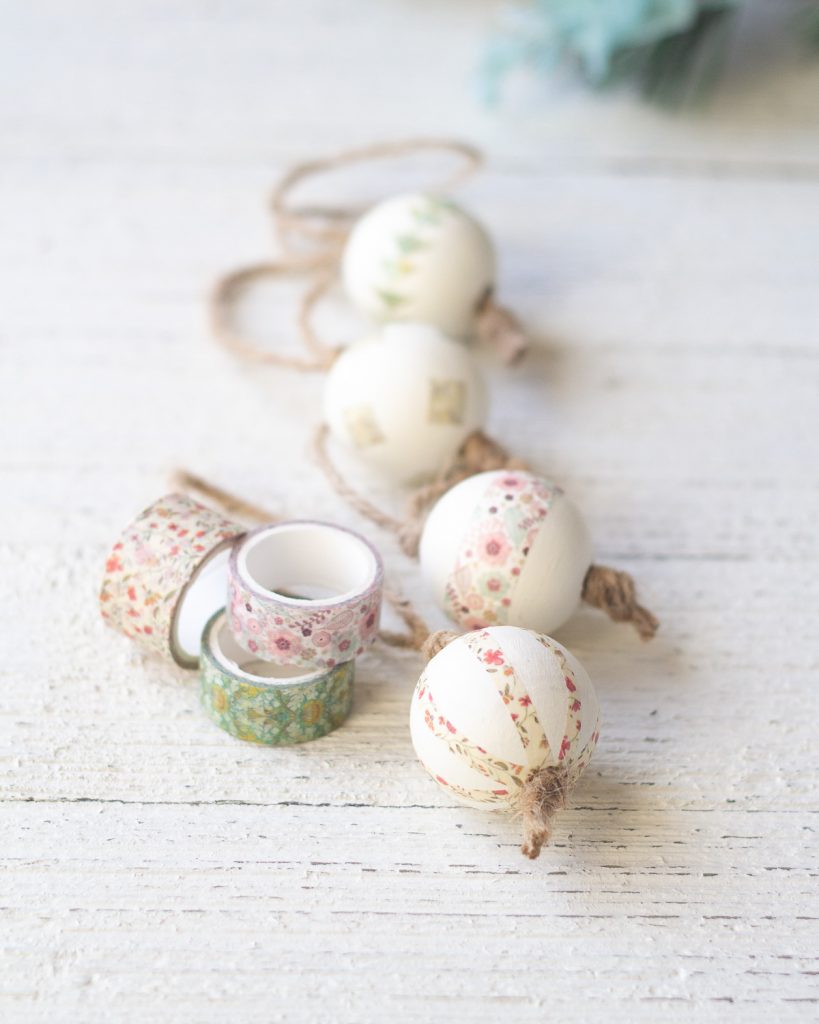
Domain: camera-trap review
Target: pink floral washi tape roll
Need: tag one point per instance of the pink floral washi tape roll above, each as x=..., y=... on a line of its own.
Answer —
x=306, y=594
x=167, y=575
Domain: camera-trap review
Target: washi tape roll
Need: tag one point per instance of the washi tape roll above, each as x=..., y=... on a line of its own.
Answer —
x=304, y=593
x=167, y=575
x=265, y=703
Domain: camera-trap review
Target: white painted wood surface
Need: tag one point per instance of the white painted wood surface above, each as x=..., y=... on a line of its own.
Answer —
x=154, y=868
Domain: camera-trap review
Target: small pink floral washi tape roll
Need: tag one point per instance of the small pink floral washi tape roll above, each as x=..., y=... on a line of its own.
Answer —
x=305, y=593
x=167, y=575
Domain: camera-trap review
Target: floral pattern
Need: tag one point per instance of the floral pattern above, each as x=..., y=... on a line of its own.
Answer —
x=312, y=634
x=275, y=713
x=507, y=777
x=510, y=689
x=500, y=533
x=151, y=565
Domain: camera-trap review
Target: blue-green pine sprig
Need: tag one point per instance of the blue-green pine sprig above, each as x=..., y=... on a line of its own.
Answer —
x=670, y=48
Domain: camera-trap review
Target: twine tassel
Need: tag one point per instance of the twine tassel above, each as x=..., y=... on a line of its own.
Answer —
x=499, y=328
x=546, y=793
x=615, y=593
x=229, y=288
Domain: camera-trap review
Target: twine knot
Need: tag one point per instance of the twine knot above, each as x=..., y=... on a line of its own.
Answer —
x=500, y=328
x=480, y=453
x=436, y=642
x=616, y=594
x=546, y=792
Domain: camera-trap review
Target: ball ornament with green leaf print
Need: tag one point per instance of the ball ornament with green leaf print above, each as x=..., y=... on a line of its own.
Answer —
x=419, y=258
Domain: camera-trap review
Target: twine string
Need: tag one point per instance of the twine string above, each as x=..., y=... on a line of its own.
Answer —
x=226, y=292
x=345, y=490
x=331, y=224
x=477, y=454
x=231, y=504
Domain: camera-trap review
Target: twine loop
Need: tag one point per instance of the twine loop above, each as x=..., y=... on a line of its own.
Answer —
x=327, y=225
x=228, y=289
x=331, y=224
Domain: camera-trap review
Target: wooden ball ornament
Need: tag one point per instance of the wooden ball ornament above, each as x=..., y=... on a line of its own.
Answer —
x=421, y=258
x=506, y=547
x=405, y=399
x=506, y=718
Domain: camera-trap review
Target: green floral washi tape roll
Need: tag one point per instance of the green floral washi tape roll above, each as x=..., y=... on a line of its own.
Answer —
x=262, y=702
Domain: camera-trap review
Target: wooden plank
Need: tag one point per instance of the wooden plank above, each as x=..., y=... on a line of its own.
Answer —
x=154, y=867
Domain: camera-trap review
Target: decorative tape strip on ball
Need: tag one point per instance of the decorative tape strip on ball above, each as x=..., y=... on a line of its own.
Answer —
x=405, y=400
x=305, y=593
x=265, y=703
x=506, y=718
x=506, y=547
x=420, y=258
x=166, y=576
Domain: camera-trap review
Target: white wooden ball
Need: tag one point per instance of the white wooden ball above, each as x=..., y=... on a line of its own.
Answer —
x=497, y=704
x=405, y=399
x=419, y=257
x=506, y=547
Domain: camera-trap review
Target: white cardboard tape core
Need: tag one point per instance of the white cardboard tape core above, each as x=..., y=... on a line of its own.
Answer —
x=308, y=562
x=205, y=594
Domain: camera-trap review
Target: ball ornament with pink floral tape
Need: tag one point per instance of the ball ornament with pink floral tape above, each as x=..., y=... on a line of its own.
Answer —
x=506, y=548
x=419, y=258
x=506, y=718
x=404, y=400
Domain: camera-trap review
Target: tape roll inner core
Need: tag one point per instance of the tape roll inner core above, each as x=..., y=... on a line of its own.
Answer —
x=204, y=595
x=236, y=661
x=304, y=562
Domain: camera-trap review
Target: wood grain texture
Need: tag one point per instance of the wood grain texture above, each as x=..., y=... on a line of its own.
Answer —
x=154, y=868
